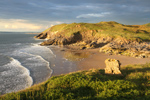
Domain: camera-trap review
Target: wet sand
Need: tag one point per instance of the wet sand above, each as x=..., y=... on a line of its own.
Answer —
x=61, y=65
x=71, y=60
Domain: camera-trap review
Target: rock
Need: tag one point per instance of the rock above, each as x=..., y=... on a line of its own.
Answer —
x=41, y=36
x=82, y=47
x=91, y=45
x=63, y=41
x=87, y=41
x=121, y=41
x=142, y=56
x=48, y=42
x=133, y=49
x=112, y=66
x=81, y=43
x=55, y=41
x=127, y=48
x=104, y=40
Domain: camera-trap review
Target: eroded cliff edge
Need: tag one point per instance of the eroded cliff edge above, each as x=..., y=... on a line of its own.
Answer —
x=111, y=37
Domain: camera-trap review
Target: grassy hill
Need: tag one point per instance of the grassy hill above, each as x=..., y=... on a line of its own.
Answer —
x=113, y=37
x=102, y=29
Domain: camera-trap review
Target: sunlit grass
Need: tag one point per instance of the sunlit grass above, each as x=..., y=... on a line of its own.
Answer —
x=91, y=85
x=113, y=29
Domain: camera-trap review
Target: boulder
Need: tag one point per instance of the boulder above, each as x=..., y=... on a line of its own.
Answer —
x=41, y=36
x=63, y=41
x=143, y=55
x=48, y=42
x=112, y=66
x=104, y=40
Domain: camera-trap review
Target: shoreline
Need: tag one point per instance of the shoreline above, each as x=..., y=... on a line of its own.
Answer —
x=60, y=65
x=81, y=60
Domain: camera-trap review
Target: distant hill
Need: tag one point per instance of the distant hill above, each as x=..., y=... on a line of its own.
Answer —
x=97, y=30
x=111, y=37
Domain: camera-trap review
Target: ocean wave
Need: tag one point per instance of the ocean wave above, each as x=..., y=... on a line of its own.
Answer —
x=14, y=77
x=17, y=44
x=28, y=65
x=37, y=45
x=38, y=59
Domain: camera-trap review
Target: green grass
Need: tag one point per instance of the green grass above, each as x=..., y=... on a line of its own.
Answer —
x=96, y=30
x=148, y=24
x=46, y=30
x=91, y=85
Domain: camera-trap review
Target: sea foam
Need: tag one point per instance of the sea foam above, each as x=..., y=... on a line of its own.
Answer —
x=14, y=77
x=37, y=59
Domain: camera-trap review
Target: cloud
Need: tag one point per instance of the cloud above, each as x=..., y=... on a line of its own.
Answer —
x=103, y=14
x=13, y=24
x=24, y=25
x=39, y=14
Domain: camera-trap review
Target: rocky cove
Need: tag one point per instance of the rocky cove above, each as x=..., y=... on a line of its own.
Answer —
x=109, y=37
x=93, y=48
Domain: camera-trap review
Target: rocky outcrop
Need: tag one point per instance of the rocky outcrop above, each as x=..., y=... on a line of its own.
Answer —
x=41, y=36
x=128, y=48
x=55, y=41
x=94, y=43
x=112, y=66
x=59, y=40
x=111, y=37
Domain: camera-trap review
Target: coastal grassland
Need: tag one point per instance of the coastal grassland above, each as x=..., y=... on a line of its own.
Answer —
x=91, y=85
x=97, y=30
x=46, y=30
x=148, y=24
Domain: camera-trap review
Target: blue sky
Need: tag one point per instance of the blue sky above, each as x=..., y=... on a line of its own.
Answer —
x=37, y=15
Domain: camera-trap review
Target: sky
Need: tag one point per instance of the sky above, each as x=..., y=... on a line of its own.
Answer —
x=38, y=15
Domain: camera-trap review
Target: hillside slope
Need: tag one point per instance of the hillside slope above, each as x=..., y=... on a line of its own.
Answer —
x=115, y=38
x=97, y=30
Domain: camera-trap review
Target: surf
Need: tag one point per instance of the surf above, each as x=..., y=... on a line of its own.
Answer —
x=14, y=77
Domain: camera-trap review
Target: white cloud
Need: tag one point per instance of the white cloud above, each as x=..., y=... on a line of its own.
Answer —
x=103, y=14
x=18, y=24
x=24, y=25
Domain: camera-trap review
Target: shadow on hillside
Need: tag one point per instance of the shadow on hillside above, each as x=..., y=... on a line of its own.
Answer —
x=125, y=73
x=84, y=91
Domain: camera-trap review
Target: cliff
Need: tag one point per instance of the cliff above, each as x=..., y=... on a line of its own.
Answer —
x=112, y=37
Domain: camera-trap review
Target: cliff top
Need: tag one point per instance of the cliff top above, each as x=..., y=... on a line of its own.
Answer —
x=112, y=29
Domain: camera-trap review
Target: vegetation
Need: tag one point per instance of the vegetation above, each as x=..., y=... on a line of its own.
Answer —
x=113, y=29
x=148, y=24
x=91, y=85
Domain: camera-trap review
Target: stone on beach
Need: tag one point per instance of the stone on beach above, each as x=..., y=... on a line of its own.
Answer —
x=112, y=66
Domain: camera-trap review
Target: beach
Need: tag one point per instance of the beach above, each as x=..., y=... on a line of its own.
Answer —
x=81, y=60
x=26, y=63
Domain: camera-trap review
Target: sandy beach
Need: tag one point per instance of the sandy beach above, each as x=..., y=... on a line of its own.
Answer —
x=96, y=60
x=71, y=59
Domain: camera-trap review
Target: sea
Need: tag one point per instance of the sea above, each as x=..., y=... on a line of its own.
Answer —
x=23, y=62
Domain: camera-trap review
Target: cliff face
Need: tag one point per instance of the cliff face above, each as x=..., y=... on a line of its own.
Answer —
x=113, y=37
